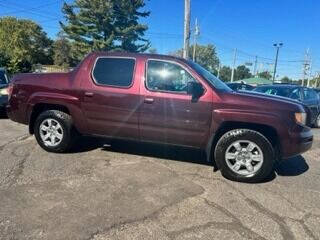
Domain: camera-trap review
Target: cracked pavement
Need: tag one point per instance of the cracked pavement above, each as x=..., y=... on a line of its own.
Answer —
x=132, y=191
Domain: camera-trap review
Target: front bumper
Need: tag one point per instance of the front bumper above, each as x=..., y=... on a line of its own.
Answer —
x=301, y=140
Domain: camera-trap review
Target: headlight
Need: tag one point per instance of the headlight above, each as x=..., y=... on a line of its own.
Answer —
x=301, y=118
x=4, y=92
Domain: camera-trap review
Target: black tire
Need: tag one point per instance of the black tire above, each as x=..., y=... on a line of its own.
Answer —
x=262, y=142
x=69, y=133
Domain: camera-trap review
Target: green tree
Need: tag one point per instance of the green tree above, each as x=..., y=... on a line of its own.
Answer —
x=242, y=72
x=62, y=55
x=225, y=73
x=315, y=82
x=206, y=56
x=105, y=25
x=152, y=50
x=286, y=80
x=22, y=44
x=265, y=74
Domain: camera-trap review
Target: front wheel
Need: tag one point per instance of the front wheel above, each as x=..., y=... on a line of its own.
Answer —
x=54, y=131
x=245, y=155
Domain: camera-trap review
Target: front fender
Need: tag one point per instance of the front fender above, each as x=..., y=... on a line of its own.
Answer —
x=244, y=118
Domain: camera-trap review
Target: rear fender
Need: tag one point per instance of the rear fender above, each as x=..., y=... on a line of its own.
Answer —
x=72, y=103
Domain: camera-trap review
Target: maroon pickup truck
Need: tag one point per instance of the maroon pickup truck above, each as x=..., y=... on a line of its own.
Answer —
x=161, y=99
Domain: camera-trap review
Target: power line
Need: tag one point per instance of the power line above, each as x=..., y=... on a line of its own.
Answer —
x=23, y=9
x=31, y=9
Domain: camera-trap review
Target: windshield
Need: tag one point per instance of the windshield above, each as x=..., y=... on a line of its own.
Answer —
x=213, y=80
x=3, y=79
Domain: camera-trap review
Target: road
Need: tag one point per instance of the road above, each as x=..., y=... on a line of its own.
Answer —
x=128, y=191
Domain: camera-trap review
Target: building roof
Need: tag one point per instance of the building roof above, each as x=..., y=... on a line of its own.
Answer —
x=255, y=81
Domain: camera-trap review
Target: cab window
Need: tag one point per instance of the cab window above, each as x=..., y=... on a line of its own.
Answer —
x=167, y=77
x=117, y=72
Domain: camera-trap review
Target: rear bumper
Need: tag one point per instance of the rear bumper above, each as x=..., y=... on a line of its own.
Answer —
x=15, y=115
x=301, y=140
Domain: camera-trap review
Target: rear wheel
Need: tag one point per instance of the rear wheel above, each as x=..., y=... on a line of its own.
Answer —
x=245, y=155
x=54, y=131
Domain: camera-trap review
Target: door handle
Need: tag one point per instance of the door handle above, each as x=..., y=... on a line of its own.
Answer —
x=88, y=94
x=148, y=100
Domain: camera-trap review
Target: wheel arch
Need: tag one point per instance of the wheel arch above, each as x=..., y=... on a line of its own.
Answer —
x=268, y=131
x=40, y=108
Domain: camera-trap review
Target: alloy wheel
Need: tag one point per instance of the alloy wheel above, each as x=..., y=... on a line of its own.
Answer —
x=244, y=157
x=51, y=132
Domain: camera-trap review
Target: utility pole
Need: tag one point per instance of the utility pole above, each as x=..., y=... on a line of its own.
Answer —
x=305, y=66
x=186, y=40
x=195, y=36
x=260, y=69
x=317, y=81
x=310, y=73
x=234, y=64
x=278, y=46
x=255, y=66
x=219, y=68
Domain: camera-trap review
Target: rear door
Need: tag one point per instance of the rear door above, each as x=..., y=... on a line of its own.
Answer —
x=111, y=98
x=168, y=115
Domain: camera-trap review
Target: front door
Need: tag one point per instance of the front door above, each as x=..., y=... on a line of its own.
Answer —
x=167, y=114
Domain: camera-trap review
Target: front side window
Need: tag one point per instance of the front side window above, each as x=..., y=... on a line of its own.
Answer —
x=116, y=72
x=168, y=77
x=213, y=80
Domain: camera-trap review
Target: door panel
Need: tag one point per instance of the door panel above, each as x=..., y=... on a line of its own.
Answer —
x=113, y=110
x=171, y=117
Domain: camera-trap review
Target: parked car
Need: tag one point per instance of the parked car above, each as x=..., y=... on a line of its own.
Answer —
x=4, y=81
x=161, y=99
x=307, y=96
x=240, y=86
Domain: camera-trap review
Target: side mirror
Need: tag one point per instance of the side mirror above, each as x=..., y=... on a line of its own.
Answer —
x=196, y=90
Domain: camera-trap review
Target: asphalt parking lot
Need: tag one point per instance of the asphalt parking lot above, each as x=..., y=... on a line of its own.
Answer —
x=129, y=191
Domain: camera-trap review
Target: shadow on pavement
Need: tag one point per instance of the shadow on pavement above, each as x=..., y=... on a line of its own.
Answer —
x=174, y=153
x=289, y=167
x=292, y=167
x=87, y=144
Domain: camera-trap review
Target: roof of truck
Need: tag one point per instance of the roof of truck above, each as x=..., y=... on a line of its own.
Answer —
x=135, y=55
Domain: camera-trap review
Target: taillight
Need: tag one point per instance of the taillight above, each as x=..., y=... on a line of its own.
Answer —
x=10, y=90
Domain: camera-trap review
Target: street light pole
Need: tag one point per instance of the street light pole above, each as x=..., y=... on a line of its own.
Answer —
x=278, y=46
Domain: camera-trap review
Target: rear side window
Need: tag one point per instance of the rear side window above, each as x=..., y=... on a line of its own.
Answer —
x=116, y=72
